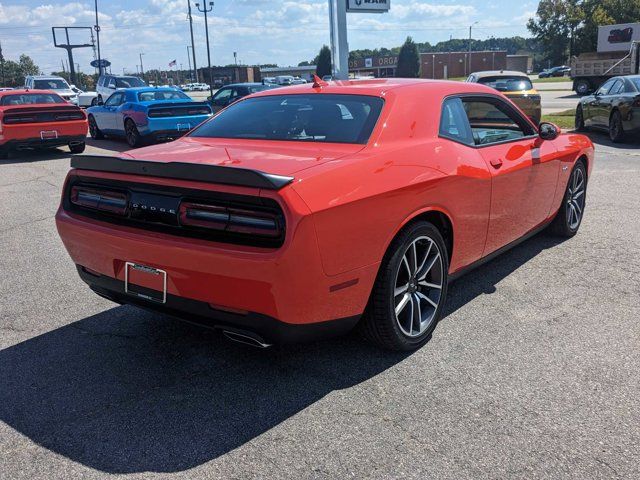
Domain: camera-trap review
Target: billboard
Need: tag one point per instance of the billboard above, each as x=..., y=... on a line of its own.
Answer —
x=369, y=6
x=617, y=38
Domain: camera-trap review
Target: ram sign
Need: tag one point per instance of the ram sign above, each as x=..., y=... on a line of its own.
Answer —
x=369, y=6
x=617, y=38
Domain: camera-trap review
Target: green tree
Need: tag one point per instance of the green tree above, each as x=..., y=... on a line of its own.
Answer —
x=408, y=60
x=552, y=27
x=323, y=62
x=603, y=12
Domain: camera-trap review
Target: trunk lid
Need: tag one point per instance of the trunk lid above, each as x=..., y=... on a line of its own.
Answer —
x=275, y=157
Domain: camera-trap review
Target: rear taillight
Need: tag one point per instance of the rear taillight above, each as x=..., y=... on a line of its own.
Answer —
x=100, y=200
x=636, y=101
x=229, y=219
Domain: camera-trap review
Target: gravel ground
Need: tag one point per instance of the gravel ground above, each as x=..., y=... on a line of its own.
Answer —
x=533, y=373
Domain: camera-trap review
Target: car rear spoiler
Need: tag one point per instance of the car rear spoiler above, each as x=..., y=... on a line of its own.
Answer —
x=182, y=171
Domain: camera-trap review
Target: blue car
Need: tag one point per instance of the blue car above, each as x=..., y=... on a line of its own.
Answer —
x=146, y=114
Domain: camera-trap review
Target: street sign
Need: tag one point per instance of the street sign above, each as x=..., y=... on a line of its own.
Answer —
x=103, y=63
x=368, y=6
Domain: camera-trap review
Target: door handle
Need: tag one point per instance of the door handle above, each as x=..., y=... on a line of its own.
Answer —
x=495, y=162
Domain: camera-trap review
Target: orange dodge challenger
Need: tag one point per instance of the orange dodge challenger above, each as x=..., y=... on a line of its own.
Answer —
x=302, y=212
x=39, y=119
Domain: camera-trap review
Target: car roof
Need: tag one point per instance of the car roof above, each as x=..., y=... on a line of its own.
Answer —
x=247, y=84
x=379, y=86
x=499, y=73
x=148, y=89
x=24, y=90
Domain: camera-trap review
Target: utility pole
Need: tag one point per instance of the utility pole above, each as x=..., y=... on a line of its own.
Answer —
x=141, y=68
x=193, y=48
x=2, y=66
x=338, y=33
x=206, y=9
x=470, y=27
x=97, y=29
x=235, y=58
x=189, y=60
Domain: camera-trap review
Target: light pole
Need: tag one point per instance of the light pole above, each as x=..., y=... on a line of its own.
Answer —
x=96, y=27
x=470, y=27
x=206, y=9
x=141, y=68
x=193, y=48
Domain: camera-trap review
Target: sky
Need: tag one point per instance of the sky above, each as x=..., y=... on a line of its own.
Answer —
x=284, y=32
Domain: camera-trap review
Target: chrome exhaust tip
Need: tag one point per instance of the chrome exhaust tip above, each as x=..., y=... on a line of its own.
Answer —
x=246, y=338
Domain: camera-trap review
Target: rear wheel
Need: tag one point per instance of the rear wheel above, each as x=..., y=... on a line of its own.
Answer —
x=94, y=131
x=94, y=102
x=616, y=130
x=582, y=87
x=77, y=147
x=409, y=293
x=133, y=136
x=569, y=217
x=579, y=122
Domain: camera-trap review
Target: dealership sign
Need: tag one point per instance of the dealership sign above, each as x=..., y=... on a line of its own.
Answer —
x=369, y=6
x=617, y=38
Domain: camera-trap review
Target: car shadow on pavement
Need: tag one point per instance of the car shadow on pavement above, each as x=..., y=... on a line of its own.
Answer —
x=32, y=156
x=602, y=139
x=109, y=144
x=127, y=391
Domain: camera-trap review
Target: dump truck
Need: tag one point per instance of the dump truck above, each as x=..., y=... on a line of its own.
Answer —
x=590, y=70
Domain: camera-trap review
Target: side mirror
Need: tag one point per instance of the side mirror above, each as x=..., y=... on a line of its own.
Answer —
x=548, y=131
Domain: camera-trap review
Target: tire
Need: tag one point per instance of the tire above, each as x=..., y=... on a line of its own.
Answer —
x=94, y=102
x=131, y=133
x=94, y=131
x=4, y=154
x=400, y=295
x=77, y=147
x=579, y=121
x=569, y=216
x=582, y=87
x=100, y=99
x=616, y=130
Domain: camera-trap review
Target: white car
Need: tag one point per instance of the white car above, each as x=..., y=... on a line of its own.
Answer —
x=298, y=81
x=49, y=82
x=107, y=84
x=85, y=99
x=284, y=80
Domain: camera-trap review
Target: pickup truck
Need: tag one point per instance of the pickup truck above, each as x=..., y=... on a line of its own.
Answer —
x=590, y=70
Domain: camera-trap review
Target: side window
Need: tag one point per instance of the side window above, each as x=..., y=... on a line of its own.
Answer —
x=453, y=122
x=492, y=121
x=114, y=100
x=112, y=82
x=604, y=89
x=222, y=97
x=617, y=87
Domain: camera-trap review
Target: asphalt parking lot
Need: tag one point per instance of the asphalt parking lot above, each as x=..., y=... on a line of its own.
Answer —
x=533, y=372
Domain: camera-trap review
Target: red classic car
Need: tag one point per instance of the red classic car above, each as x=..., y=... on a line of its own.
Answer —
x=302, y=212
x=39, y=119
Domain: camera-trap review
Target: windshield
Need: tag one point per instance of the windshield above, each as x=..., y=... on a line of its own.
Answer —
x=507, y=84
x=128, y=82
x=313, y=118
x=162, y=95
x=259, y=88
x=31, y=98
x=52, y=84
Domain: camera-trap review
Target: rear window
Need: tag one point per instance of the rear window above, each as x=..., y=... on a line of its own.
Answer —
x=162, y=95
x=31, y=98
x=311, y=118
x=51, y=84
x=507, y=84
x=636, y=83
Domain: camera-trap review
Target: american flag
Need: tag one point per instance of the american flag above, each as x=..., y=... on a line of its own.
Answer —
x=172, y=63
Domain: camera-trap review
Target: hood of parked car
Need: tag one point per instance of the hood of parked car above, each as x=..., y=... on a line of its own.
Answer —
x=279, y=158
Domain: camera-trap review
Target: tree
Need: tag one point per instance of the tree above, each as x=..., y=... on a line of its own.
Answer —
x=323, y=62
x=551, y=26
x=408, y=60
x=14, y=72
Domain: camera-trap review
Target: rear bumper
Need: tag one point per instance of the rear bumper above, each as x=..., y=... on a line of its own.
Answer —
x=267, y=329
x=31, y=143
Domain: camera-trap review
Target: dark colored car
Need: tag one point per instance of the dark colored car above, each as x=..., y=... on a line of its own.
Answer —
x=555, y=72
x=620, y=35
x=235, y=91
x=614, y=107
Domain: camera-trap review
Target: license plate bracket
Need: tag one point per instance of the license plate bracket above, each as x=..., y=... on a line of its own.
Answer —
x=145, y=282
x=183, y=127
x=48, y=134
